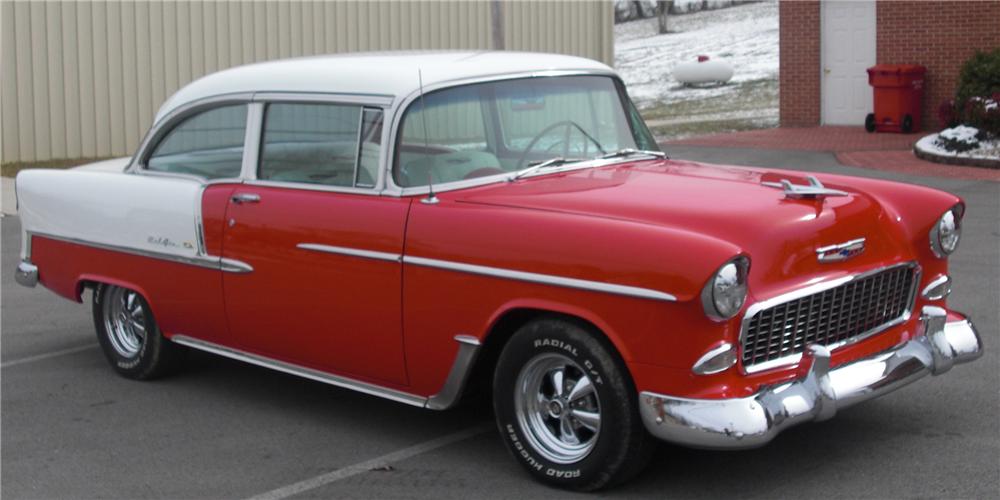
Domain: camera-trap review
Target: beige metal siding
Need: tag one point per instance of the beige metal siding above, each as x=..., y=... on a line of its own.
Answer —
x=84, y=79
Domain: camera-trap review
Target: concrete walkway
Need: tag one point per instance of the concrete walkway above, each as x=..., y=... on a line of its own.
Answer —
x=852, y=146
x=8, y=199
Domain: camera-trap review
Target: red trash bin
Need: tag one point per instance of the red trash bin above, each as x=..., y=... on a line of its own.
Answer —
x=898, y=88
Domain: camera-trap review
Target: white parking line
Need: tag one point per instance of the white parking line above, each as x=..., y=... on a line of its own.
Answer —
x=359, y=468
x=29, y=359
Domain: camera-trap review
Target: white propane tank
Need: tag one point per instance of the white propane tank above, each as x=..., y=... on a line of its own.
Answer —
x=704, y=70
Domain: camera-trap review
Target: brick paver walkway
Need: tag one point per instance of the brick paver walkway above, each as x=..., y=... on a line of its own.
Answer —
x=852, y=146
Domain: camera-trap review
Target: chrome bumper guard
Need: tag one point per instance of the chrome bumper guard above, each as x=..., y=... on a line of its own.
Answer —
x=26, y=274
x=816, y=395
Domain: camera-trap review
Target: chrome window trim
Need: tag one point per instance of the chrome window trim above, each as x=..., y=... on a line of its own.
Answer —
x=371, y=100
x=179, y=114
x=351, y=252
x=399, y=108
x=206, y=261
x=816, y=288
x=251, y=142
x=544, y=279
x=363, y=102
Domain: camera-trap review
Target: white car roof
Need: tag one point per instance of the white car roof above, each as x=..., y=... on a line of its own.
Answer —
x=387, y=74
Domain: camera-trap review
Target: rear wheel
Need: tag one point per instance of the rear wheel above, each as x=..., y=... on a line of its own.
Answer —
x=870, y=122
x=129, y=336
x=566, y=408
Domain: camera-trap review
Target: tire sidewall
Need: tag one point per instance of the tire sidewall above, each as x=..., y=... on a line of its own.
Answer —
x=574, y=342
x=133, y=367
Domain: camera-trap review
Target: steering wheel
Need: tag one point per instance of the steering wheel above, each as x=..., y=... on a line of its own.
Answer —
x=569, y=125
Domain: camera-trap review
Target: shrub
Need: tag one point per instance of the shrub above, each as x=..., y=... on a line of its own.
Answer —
x=980, y=76
x=947, y=114
x=977, y=100
x=959, y=139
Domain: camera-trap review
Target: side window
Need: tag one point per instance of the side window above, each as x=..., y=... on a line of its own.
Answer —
x=330, y=144
x=209, y=144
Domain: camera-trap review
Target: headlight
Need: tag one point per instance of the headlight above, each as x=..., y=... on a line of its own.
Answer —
x=725, y=293
x=947, y=231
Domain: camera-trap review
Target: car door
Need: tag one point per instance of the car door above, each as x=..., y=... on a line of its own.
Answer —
x=324, y=247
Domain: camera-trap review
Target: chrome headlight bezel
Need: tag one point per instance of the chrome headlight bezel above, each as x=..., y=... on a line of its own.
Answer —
x=946, y=233
x=725, y=293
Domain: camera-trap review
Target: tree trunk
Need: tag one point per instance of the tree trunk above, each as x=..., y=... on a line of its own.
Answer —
x=664, y=9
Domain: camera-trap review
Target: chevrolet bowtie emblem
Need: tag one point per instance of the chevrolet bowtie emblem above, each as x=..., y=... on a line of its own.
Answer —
x=841, y=251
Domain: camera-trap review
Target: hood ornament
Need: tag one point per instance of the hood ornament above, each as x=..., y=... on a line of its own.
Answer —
x=814, y=190
x=841, y=251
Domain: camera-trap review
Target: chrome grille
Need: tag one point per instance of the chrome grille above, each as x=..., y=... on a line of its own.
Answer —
x=863, y=306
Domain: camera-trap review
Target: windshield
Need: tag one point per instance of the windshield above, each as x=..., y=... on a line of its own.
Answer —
x=508, y=126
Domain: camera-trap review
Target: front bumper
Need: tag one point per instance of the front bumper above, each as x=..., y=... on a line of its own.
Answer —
x=816, y=395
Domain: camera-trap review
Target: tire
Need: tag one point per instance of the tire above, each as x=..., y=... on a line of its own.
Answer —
x=907, y=125
x=554, y=435
x=870, y=122
x=129, y=335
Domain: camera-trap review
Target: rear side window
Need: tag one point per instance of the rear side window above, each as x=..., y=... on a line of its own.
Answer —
x=329, y=144
x=208, y=144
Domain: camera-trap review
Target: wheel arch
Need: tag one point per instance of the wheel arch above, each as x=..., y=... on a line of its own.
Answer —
x=507, y=320
x=95, y=280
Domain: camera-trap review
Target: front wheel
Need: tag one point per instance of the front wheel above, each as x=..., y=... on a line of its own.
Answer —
x=129, y=336
x=566, y=408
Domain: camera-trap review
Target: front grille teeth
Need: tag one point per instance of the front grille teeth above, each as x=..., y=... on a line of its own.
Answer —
x=829, y=317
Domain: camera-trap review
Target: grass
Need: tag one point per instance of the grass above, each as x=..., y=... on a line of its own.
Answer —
x=10, y=169
x=748, y=105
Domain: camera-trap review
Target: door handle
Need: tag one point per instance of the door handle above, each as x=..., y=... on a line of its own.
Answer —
x=246, y=198
x=826, y=71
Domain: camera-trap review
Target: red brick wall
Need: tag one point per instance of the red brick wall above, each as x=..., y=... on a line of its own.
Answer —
x=940, y=35
x=798, y=66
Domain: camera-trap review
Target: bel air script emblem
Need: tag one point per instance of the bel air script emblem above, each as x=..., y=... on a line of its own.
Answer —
x=841, y=251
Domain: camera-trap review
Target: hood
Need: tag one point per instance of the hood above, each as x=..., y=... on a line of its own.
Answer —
x=728, y=203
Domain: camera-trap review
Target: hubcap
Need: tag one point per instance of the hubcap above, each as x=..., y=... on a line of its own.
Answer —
x=124, y=321
x=557, y=408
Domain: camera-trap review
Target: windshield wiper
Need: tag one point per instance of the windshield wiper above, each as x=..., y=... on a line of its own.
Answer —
x=622, y=153
x=551, y=162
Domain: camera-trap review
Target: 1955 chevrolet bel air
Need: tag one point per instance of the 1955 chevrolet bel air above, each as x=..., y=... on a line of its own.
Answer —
x=407, y=225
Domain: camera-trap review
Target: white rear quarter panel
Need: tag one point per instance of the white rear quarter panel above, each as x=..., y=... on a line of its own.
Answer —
x=138, y=212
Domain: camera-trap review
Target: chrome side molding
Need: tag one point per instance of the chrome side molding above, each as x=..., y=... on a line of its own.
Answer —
x=207, y=261
x=468, y=351
x=309, y=373
x=352, y=252
x=451, y=391
x=545, y=279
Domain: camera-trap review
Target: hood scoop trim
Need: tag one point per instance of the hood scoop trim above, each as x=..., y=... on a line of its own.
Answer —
x=814, y=190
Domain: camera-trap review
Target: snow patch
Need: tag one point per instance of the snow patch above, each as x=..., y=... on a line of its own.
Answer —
x=989, y=150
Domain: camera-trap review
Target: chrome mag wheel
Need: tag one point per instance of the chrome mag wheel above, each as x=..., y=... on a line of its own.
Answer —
x=124, y=321
x=557, y=408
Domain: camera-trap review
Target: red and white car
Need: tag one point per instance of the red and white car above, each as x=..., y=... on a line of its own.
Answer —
x=407, y=225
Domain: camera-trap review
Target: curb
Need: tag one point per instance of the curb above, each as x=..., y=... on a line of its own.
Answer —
x=956, y=160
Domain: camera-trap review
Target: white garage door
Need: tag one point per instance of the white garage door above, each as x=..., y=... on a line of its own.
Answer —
x=848, y=48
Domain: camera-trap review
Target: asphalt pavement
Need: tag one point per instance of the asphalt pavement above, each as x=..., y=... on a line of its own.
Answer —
x=71, y=428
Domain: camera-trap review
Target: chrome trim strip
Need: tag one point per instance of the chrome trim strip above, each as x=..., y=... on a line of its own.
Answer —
x=251, y=140
x=468, y=351
x=206, y=261
x=309, y=373
x=816, y=288
x=943, y=281
x=817, y=394
x=699, y=366
x=544, y=279
x=26, y=274
x=353, y=252
x=376, y=100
